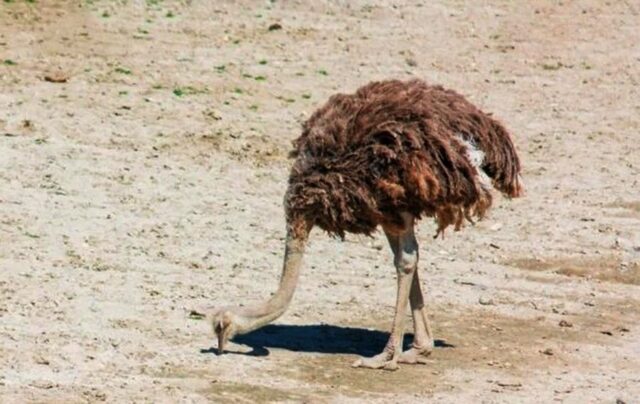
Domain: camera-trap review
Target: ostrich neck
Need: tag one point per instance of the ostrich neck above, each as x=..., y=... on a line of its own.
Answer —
x=254, y=317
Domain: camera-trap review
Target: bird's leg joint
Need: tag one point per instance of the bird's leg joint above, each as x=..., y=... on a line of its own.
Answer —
x=406, y=263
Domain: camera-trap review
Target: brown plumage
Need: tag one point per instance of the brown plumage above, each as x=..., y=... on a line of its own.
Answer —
x=392, y=147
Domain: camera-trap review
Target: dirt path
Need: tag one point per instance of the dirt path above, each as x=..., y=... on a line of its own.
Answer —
x=143, y=161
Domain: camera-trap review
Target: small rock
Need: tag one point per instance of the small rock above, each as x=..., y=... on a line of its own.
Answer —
x=41, y=361
x=196, y=315
x=274, y=27
x=485, y=301
x=565, y=323
x=547, y=351
x=508, y=384
x=56, y=77
x=42, y=384
x=27, y=124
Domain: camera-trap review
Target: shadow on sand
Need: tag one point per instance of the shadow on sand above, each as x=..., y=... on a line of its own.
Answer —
x=323, y=338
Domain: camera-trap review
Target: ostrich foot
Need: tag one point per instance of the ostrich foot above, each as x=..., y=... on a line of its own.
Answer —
x=385, y=360
x=415, y=355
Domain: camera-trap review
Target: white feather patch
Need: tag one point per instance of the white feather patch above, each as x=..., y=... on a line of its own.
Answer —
x=476, y=158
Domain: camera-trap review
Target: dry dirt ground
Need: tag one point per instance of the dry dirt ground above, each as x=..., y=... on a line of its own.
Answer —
x=143, y=160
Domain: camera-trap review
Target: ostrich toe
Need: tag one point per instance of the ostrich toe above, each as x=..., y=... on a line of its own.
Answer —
x=385, y=360
x=413, y=356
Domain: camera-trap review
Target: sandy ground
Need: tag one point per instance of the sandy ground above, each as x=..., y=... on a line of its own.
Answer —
x=150, y=181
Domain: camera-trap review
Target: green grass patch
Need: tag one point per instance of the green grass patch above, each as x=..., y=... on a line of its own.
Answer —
x=552, y=66
x=188, y=90
x=122, y=70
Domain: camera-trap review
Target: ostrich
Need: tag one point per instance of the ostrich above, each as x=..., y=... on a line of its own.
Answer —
x=391, y=153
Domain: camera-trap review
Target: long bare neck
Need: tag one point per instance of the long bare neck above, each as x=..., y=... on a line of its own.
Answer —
x=254, y=317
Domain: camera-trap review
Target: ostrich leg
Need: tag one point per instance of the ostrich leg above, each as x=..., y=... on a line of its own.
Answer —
x=422, y=337
x=405, y=261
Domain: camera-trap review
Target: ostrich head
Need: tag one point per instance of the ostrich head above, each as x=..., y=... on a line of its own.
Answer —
x=225, y=326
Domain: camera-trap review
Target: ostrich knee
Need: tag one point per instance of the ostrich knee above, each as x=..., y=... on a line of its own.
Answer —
x=407, y=264
x=406, y=261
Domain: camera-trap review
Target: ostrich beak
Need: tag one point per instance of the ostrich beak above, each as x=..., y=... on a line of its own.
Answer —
x=221, y=341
